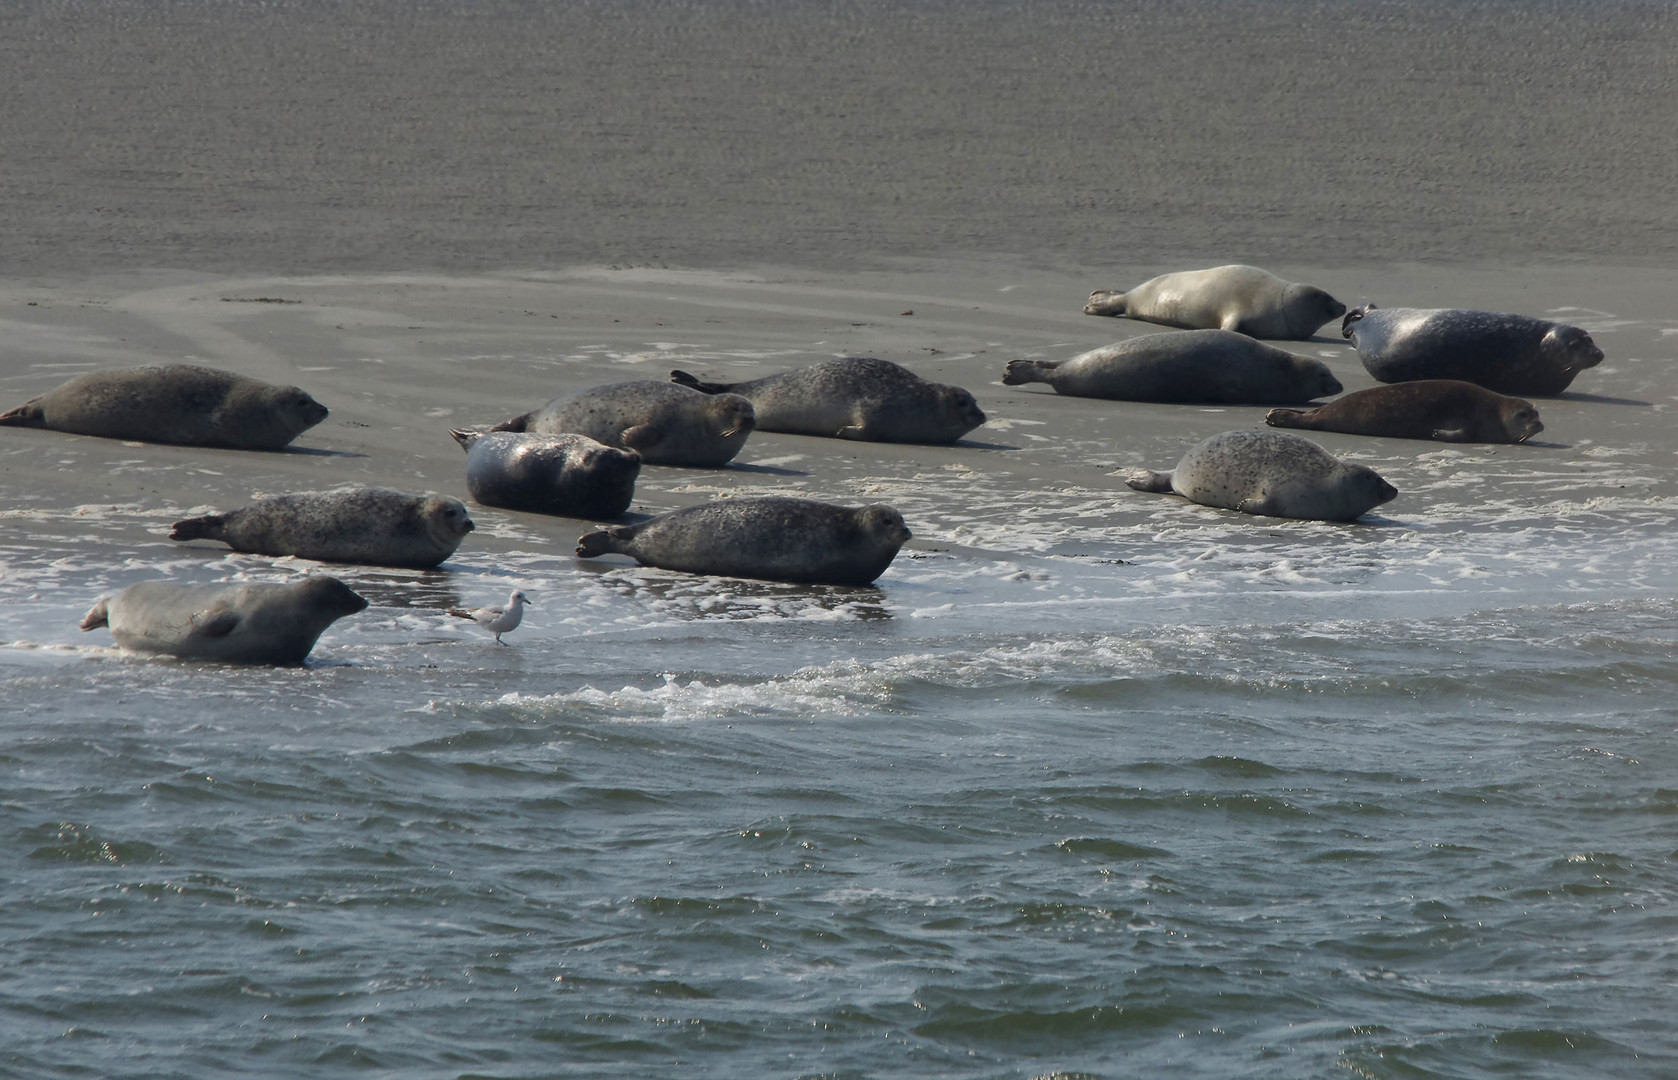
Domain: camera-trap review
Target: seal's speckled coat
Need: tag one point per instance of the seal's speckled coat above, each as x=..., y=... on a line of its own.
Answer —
x=1511, y=354
x=1270, y=473
x=666, y=424
x=1218, y=366
x=238, y=624
x=375, y=526
x=773, y=537
x=568, y=475
x=857, y=397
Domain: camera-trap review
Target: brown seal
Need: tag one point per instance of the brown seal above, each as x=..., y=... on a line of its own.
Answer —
x=1446, y=410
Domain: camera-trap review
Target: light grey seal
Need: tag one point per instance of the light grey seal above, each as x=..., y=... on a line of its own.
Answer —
x=376, y=526
x=857, y=397
x=1240, y=298
x=664, y=423
x=569, y=475
x=174, y=403
x=1511, y=354
x=1214, y=366
x=1447, y=410
x=1270, y=473
x=497, y=619
x=238, y=624
x=772, y=537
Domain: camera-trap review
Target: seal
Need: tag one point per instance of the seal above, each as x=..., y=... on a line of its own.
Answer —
x=1511, y=354
x=183, y=404
x=375, y=526
x=237, y=624
x=856, y=397
x=497, y=620
x=1209, y=366
x=1446, y=410
x=664, y=423
x=1240, y=298
x=1271, y=473
x=568, y=475
x=772, y=537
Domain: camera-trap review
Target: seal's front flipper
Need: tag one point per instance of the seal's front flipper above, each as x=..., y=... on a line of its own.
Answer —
x=642, y=436
x=215, y=622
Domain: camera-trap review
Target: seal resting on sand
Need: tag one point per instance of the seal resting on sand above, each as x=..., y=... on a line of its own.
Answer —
x=1511, y=354
x=664, y=423
x=1270, y=473
x=375, y=526
x=174, y=403
x=1215, y=366
x=1240, y=298
x=772, y=537
x=568, y=475
x=238, y=624
x=1447, y=410
x=856, y=397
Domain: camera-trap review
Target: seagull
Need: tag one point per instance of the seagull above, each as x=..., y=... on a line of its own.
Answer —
x=497, y=620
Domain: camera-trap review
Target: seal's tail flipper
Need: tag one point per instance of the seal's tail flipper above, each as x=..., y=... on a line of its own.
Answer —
x=1284, y=417
x=29, y=414
x=99, y=615
x=1024, y=371
x=693, y=382
x=517, y=423
x=207, y=527
x=595, y=544
x=1148, y=480
x=467, y=438
x=1105, y=302
x=1353, y=316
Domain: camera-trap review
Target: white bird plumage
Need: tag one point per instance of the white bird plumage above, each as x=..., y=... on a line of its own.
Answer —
x=497, y=620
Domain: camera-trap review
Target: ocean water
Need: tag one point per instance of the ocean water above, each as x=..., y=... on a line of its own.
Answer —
x=1091, y=785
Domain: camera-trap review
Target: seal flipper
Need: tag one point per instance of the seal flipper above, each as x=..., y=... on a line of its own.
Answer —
x=208, y=527
x=606, y=541
x=1149, y=480
x=215, y=622
x=1028, y=371
x=99, y=615
x=517, y=423
x=1287, y=417
x=29, y=414
x=682, y=378
x=1105, y=302
x=641, y=437
x=1353, y=316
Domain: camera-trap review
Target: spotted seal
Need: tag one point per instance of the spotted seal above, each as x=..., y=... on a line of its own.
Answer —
x=773, y=537
x=1214, y=366
x=375, y=526
x=182, y=404
x=1446, y=410
x=568, y=475
x=1511, y=354
x=1240, y=298
x=1271, y=473
x=238, y=624
x=856, y=397
x=664, y=423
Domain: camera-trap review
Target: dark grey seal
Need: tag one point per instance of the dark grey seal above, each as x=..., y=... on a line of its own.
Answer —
x=174, y=403
x=857, y=397
x=1511, y=354
x=1270, y=473
x=1240, y=298
x=1446, y=410
x=375, y=526
x=238, y=624
x=1212, y=366
x=772, y=537
x=568, y=475
x=664, y=423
